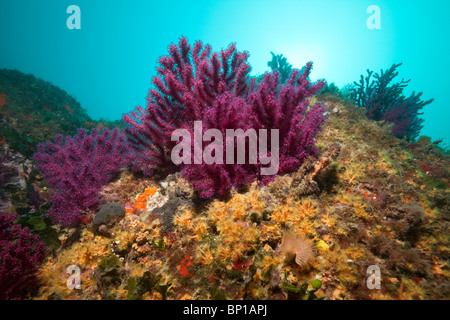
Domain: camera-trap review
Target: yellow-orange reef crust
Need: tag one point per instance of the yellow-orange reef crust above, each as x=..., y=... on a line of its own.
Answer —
x=229, y=247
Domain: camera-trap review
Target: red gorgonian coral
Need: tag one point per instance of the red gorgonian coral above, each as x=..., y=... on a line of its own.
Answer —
x=196, y=84
x=21, y=253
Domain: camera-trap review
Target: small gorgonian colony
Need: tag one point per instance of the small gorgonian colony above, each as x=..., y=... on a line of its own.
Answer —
x=383, y=100
x=196, y=84
x=21, y=254
x=77, y=167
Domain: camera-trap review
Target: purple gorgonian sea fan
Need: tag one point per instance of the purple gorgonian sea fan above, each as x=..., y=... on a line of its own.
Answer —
x=196, y=84
x=77, y=167
x=383, y=100
x=21, y=254
x=287, y=107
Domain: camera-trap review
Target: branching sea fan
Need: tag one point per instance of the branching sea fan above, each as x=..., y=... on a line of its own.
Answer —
x=196, y=84
x=384, y=100
x=77, y=167
x=21, y=254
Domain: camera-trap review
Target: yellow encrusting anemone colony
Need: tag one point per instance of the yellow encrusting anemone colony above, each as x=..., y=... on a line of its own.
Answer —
x=373, y=208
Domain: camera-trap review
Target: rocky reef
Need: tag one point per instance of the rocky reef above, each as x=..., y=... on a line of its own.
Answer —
x=351, y=198
x=367, y=199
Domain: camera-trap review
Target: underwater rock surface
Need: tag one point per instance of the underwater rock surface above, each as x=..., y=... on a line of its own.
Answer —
x=379, y=202
x=33, y=111
x=107, y=214
x=366, y=199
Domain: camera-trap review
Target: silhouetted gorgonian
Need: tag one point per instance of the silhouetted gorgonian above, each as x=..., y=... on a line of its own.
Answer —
x=21, y=253
x=385, y=101
x=77, y=167
x=196, y=84
x=280, y=64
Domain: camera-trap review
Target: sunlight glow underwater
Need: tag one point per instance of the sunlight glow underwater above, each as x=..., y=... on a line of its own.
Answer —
x=108, y=64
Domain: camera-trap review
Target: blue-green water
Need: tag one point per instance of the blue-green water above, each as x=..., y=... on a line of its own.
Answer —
x=108, y=63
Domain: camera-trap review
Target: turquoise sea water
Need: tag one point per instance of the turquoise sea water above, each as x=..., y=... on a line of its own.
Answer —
x=108, y=63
